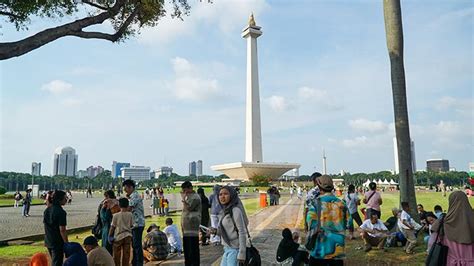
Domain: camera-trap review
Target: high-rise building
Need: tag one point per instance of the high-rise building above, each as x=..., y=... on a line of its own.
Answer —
x=199, y=168
x=81, y=173
x=35, y=169
x=136, y=173
x=437, y=165
x=192, y=168
x=395, y=154
x=164, y=170
x=94, y=171
x=65, y=161
x=116, y=168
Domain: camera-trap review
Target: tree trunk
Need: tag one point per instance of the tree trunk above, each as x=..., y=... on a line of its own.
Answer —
x=394, y=34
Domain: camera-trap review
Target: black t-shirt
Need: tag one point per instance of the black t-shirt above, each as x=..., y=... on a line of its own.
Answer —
x=391, y=222
x=54, y=216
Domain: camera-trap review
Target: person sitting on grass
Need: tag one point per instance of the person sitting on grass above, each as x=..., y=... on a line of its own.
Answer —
x=430, y=219
x=405, y=224
x=288, y=250
x=75, y=254
x=438, y=211
x=155, y=244
x=174, y=240
x=374, y=233
x=97, y=255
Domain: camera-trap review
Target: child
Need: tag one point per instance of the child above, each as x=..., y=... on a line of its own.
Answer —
x=120, y=234
x=166, y=206
x=174, y=240
x=407, y=228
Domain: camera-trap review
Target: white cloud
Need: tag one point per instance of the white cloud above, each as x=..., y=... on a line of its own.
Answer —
x=448, y=128
x=319, y=97
x=363, y=124
x=189, y=85
x=57, y=86
x=278, y=103
x=462, y=106
x=355, y=142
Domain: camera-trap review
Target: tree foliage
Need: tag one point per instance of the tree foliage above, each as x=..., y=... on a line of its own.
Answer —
x=127, y=17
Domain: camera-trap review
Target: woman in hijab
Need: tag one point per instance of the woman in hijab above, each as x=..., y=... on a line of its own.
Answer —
x=205, y=218
x=456, y=230
x=287, y=248
x=215, y=212
x=232, y=227
x=75, y=254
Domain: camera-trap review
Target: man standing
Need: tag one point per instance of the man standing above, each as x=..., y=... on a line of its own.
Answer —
x=97, y=255
x=215, y=211
x=310, y=196
x=155, y=244
x=136, y=207
x=55, y=234
x=27, y=203
x=374, y=233
x=190, y=221
x=327, y=220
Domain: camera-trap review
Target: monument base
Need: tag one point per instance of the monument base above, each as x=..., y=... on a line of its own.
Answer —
x=245, y=170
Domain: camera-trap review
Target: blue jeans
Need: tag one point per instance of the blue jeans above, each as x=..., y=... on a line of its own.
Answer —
x=230, y=257
x=137, y=234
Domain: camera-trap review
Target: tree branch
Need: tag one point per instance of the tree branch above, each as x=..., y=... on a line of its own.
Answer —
x=9, y=14
x=13, y=49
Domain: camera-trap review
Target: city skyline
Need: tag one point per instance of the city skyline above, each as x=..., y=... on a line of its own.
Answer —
x=323, y=83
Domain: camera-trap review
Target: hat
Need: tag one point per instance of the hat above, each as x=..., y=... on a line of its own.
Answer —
x=90, y=240
x=153, y=225
x=325, y=182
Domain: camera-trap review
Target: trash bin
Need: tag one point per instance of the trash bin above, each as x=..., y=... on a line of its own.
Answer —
x=263, y=199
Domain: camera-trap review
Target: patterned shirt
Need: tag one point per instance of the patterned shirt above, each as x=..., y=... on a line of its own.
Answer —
x=311, y=197
x=334, y=216
x=156, y=243
x=136, y=202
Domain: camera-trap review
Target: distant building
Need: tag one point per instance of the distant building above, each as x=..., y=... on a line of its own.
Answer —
x=116, y=168
x=395, y=154
x=192, y=168
x=36, y=169
x=471, y=169
x=65, y=161
x=164, y=170
x=81, y=173
x=437, y=165
x=136, y=173
x=199, y=168
x=94, y=171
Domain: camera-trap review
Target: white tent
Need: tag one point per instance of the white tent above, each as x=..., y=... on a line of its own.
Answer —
x=393, y=182
x=375, y=181
x=379, y=182
x=385, y=182
x=366, y=184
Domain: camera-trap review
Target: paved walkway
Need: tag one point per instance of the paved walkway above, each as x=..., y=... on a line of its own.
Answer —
x=265, y=229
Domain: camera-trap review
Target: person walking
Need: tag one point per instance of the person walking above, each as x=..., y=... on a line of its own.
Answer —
x=232, y=228
x=204, y=215
x=55, y=234
x=215, y=212
x=174, y=240
x=190, y=221
x=120, y=234
x=18, y=197
x=352, y=201
x=136, y=207
x=155, y=244
x=456, y=230
x=327, y=219
x=155, y=202
x=97, y=255
x=372, y=200
x=27, y=203
x=312, y=194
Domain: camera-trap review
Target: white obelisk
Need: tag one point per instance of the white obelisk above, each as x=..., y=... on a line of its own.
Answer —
x=325, y=170
x=253, y=133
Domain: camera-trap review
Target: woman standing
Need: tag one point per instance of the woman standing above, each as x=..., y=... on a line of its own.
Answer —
x=205, y=218
x=108, y=204
x=456, y=230
x=232, y=227
x=352, y=201
x=54, y=219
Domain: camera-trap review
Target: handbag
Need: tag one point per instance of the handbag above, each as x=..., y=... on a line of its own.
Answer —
x=313, y=234
x=97, y=228
x=252, y=256
x=438, y=255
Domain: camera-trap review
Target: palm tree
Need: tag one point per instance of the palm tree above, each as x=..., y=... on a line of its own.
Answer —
x=394, y=33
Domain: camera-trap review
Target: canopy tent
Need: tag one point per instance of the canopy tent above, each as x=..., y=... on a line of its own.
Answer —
x=379, y=182
x=366, y=184
x=393, y=182
x=385, y=182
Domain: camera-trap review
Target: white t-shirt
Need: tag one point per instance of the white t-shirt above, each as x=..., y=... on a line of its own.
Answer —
x=351, y=201
x=404, y=216
x=368, y=225
x=174, y=238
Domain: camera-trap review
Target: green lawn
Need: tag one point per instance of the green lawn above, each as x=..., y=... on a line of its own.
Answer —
x=10, y=202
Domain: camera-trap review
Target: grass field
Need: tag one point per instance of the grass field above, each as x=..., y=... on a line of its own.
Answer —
x=10, y=202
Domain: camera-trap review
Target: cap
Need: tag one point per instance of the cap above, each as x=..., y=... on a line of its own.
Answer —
x=325, y=182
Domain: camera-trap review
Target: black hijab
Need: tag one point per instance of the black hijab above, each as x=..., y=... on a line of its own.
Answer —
x=287, y=247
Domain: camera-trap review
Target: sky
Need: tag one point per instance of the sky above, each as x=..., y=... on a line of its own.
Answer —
x=176, y=92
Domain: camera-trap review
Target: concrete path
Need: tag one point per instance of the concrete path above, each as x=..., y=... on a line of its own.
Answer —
x=265, y=229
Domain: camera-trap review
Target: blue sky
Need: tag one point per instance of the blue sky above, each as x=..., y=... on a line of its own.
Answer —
x=176, y=93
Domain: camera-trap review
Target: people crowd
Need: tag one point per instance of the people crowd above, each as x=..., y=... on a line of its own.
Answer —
x=221, y=219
